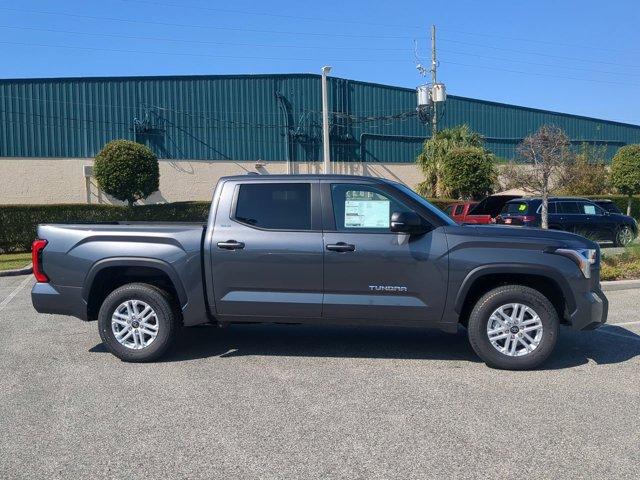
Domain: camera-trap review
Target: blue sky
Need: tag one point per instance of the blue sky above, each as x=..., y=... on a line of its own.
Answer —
x=580, y=57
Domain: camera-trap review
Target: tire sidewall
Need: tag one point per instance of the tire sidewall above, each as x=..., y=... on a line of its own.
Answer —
x=513, y=294
x=160, y=303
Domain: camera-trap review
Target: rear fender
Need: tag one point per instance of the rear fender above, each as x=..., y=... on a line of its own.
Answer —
x=135, y=262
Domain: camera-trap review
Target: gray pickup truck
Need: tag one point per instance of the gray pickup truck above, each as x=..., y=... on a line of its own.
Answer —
x=321, y=249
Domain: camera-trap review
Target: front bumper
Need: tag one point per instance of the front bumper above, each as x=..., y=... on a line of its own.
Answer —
x=591, y=311
x=50, y=298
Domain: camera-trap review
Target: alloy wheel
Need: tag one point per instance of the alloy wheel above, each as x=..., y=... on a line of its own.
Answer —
x=134, y=324
x=514, y=329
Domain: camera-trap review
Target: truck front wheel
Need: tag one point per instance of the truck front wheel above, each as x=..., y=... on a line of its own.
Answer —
x=513, y=327
x=138, y=322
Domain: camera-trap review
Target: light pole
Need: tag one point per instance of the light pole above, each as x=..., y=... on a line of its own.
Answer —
x=325, y=120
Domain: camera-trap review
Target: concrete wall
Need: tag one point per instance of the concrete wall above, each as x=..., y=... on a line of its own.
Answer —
x=59, y=180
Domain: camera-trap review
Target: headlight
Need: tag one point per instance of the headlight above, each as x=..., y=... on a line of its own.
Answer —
x=584, y=258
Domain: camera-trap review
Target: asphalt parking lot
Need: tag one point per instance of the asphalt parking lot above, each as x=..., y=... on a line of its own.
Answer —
x=310, y=402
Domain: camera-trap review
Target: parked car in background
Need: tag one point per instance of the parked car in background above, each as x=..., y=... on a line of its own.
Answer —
x=459, y=211
x=576, y=215
x=608, y=205
x=479, y=213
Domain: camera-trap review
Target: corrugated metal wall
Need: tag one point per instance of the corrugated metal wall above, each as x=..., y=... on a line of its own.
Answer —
x=251, y=117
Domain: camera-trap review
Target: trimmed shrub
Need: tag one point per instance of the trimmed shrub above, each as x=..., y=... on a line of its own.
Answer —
x=127, y=170
x=621, y=201
x=625, y=171
x=469, y=172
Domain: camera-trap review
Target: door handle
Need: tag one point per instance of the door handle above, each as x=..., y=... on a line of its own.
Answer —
x=341, y=247
x=231, y=245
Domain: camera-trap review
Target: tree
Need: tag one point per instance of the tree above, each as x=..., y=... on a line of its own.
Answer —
x=469, y=172
x=127, y=170
x=588, y=173
x=545, y=160
x=625, y=172
x=432, y=158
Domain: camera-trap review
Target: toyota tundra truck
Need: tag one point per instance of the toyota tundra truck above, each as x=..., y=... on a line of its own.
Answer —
x=321, y=249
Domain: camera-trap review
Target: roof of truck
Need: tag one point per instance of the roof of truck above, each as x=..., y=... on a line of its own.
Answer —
x=357, y=178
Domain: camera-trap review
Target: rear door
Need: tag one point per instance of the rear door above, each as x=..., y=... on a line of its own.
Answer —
x=266, y=249
x=370, y=273
x=569, y=216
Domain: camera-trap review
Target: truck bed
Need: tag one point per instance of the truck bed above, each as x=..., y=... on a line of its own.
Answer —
x=75, y=253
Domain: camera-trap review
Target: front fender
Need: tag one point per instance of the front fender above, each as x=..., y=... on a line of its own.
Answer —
x=515, y=269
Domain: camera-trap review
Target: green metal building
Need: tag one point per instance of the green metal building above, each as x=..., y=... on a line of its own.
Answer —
x=258, y=117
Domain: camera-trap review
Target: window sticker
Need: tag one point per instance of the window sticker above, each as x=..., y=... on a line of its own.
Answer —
x=522, y=207
x=589, y=209
x=366, y=213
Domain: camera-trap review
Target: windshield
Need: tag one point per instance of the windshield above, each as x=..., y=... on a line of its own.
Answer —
x=435, y=210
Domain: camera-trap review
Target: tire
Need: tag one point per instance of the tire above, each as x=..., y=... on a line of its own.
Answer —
x=523, y=358
x=165, y=321
x=624, y=236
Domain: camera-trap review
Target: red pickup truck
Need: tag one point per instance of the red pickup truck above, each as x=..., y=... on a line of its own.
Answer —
x=483, y=212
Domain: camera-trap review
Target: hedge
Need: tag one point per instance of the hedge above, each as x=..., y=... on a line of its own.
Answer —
x=621, y=201
x=18, y=222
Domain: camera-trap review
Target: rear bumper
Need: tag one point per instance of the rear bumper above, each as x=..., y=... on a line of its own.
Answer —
x=50, y=298
x=591, y=310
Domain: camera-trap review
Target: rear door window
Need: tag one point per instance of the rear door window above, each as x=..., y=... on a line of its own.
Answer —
x=459, y=209
x=570, y=208
x=274, y=206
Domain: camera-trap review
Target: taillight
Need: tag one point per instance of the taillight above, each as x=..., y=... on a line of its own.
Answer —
x=528, y=218
x=36, y=257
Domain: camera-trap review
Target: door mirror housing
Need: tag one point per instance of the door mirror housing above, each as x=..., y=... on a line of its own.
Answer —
x=408, y=222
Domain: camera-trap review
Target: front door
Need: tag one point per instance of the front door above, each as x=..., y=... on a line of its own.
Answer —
x=372, y=274
x=266, y=250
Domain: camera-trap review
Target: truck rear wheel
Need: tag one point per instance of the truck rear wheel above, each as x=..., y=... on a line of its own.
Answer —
x=138, y=322
x=513, y=327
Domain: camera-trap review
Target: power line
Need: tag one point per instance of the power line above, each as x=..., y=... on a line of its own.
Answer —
x=206, y=27
x=187, y=54
x=486, y=67
x=272, y=15
x=140, y=107
x=202, y=42
x=530, y=40
x=538, y=63
x=546, y=55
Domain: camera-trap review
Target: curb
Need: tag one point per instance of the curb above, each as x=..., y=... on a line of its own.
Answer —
x=19, y=271
x=616, y=285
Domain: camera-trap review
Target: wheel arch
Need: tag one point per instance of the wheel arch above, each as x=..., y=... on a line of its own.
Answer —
x=108, y=274
x=539, y=277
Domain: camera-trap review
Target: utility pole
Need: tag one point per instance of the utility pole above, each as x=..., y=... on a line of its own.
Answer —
x=434, y=64
x=325, y=121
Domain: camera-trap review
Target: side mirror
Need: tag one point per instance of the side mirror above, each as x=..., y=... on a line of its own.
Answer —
x=407, y=222
x=606, y=213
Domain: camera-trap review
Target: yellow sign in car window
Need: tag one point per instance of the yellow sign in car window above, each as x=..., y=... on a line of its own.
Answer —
x=522, y=207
